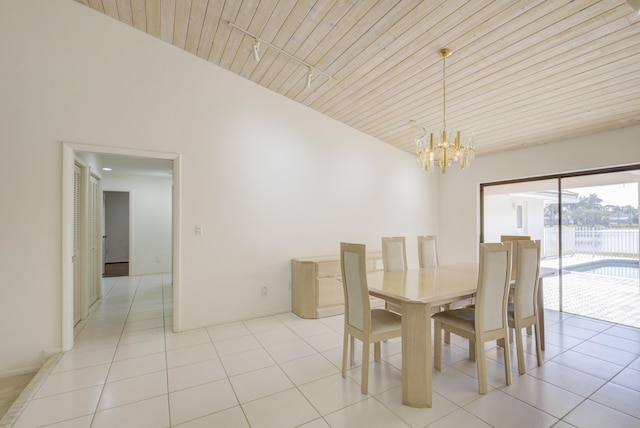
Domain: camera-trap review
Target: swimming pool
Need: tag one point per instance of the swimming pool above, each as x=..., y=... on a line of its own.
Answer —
x=611, y=267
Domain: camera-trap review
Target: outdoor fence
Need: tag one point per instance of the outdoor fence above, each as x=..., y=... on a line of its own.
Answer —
x=590, y=241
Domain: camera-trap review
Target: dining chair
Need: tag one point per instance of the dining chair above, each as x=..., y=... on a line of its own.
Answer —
x=514, y=255
x=360, y=321
x=394, y=259
x=487, y=319
x=394, y=254
x=523, y=312
x=427, y=251
x=514, y=261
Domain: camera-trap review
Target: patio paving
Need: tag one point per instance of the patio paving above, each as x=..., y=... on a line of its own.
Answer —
x=604, y=297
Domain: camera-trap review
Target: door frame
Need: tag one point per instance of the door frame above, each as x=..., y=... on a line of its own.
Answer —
x=130, y=195
x=69, y=151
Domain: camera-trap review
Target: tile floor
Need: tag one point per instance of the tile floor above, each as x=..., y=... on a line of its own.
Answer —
x=128, y=369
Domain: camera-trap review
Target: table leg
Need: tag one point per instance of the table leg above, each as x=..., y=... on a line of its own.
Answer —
x=416, y=354
x=541, y=312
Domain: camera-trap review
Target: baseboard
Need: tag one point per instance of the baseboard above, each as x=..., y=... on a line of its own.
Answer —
x=14, y=412
x=20, y=371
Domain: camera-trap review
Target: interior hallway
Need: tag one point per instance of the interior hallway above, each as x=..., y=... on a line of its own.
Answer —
x=129, y=369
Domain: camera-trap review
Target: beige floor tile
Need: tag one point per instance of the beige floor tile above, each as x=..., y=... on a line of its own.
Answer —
x=72, y=380
x=233, y=417
x=620, y=398
x=260, y=383
x=594, y=415
x=285, y=409
x=137, y=366
x=60, y=407
x=243, y=362
x=207, y=371
x=542, y=395
x=152, y=412
x=202, y=400
x=369, y=413
x=332, y=393
x=502, y=410
x=133, y=389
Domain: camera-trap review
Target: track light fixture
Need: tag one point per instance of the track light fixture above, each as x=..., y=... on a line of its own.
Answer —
x=256, y=55
x=309, y=77
x=256, y=50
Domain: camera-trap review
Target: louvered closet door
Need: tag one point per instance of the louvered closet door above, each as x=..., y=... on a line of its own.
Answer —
x=77, y=280
x=94, y=233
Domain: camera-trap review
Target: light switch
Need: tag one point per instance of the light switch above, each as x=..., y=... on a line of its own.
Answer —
x=198, y=230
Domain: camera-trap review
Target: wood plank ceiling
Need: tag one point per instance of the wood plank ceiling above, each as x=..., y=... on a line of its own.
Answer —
x=522, y=73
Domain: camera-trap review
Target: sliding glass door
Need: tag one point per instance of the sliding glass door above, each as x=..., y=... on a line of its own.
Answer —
x=588, y=226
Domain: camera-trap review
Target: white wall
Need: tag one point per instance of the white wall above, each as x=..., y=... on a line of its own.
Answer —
x=459, y=205
x=150, y=233
x=267, y=179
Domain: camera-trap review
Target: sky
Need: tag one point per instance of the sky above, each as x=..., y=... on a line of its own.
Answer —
x=616, y=194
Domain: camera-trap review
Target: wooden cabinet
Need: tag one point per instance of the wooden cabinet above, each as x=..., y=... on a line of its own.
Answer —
x=316, y=286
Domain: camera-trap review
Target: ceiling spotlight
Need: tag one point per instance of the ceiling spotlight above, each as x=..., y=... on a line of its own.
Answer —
x=256, y=50
x=107, y=169
x=309, y=77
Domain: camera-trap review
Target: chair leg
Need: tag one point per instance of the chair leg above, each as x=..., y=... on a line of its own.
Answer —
x=447, y=334
x=345, y=351
x=437, y=345
x=376, y=351
x=538, y=346
x=482, y=368
x=507, y=361
x=519, y=350
x=528, y=330
x=353, y=350
x=472, y=351
x=364, y=379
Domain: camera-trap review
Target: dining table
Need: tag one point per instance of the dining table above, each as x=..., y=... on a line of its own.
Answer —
x=417, y=291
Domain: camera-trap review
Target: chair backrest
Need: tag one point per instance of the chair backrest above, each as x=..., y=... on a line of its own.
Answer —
x=427, y=251
x=394, y=254
x=354, y=283
x=526, y=288
x=493, y=286
x=514, y=254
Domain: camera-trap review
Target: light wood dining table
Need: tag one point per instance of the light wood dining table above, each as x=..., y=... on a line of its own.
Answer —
x=417, y=291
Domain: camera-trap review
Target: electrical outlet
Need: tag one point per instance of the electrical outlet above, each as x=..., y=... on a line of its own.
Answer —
x=265, y=290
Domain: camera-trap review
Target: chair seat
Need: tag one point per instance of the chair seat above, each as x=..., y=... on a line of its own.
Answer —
x=383, y=321
x=462, y=318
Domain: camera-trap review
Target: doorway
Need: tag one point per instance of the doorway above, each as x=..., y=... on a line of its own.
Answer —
x=115, y=238
x=70, y=151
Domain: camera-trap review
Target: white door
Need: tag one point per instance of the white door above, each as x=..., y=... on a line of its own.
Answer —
x=93, y=263
x=77, y=279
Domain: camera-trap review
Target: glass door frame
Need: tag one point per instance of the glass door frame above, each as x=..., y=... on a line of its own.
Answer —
x=558, y=178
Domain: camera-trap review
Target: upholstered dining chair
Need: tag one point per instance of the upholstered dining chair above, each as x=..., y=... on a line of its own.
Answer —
x=485, y=321
x=427, y=251
x=523, y=312
x=394, y=259
x=514, y=255
x=514, y=261
x=394, y=254
x=360, y=321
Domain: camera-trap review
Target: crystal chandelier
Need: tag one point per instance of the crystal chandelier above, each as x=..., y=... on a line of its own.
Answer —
x=445, y=147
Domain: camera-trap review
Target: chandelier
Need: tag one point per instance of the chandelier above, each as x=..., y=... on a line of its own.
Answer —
x=445, y=147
